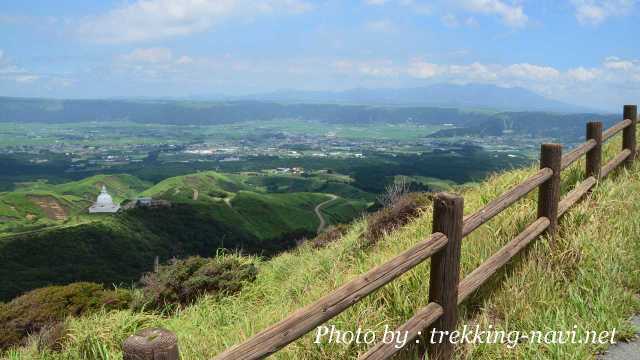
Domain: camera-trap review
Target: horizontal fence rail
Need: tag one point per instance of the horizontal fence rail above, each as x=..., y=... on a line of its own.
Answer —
x=576, y=194
x=443, y=247
x=483, y=272
x=575, y=154
x=615, y=129
x=505, y=200
x=303, y=321
x=420, y=321
x=615, y=162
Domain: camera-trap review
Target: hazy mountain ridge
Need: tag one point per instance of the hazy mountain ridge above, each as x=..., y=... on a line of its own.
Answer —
x=435, y=104
x=480, y=96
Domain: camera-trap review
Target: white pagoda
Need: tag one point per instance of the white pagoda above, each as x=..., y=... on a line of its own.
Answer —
x=104, y=203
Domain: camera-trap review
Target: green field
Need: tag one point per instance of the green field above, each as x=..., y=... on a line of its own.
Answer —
x=125, y=133
x=382, y=131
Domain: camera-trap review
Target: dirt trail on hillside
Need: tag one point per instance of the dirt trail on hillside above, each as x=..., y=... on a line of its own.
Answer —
x=51, y=207
x=323, y=222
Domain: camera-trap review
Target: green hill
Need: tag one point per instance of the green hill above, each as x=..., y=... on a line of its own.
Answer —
x=36, y=205
x=266, y=206
x=588, y=276
x=208, y=211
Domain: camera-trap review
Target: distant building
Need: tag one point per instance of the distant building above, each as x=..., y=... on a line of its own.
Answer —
x=146, y=202
x=104, y=203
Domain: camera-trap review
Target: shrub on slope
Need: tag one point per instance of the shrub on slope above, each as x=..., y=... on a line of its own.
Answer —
x=181, y=282
x=40, y=308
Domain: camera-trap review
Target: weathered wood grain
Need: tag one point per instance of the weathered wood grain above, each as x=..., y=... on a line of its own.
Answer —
x=615, y=162
x=505, y=200
x=151, y=344
x=594, y=156
x=448, y=210
x=549, y=191
x=576, y=194
x=577, y=152
x=414, y=327
x=610, y=132
x=629, y=133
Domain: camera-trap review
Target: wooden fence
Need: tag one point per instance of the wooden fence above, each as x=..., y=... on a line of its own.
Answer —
x=446, y=291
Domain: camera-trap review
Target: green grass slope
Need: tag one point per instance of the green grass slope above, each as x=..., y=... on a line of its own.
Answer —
x=116, y=249
x=36, y=205
x=266, y=206
x=208, y=184
x=588, y=277
x=209, y=211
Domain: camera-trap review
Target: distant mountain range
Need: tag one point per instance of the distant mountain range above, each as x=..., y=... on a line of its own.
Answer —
x=474, y=96
x=456, y=104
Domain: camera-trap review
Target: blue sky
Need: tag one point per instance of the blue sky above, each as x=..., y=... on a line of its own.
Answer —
x=580, y=51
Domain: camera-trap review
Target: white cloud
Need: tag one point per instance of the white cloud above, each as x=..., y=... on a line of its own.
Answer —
x=533, y=72
x=512, y=15
x=425, y=70
x=583, y=74
x=482, y=72
x=615, y=63
x=371, y=68
x=11, y=72
x=594, y=12
x=615, y=81
x=475, y=72
x=145, y=20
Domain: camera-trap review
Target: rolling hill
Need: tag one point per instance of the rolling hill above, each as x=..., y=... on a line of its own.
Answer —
x=209, y=211
x=35, y=205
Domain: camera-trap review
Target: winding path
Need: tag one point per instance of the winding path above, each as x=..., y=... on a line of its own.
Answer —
x=323, y=222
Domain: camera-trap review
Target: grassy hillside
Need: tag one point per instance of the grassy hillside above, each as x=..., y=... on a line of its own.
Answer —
x=588, y=277
x=35, y=205
x=116, y=249
x=207, y=184
x=209, y=211
x=266, y=206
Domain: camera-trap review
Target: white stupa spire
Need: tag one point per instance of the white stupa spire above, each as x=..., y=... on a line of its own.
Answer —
x=104, y=203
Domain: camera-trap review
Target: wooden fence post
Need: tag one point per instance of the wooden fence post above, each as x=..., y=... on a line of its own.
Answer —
x=151, y=344
x=594, y=156
x=445, y=271
x=629, y=133
x=549, y=191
